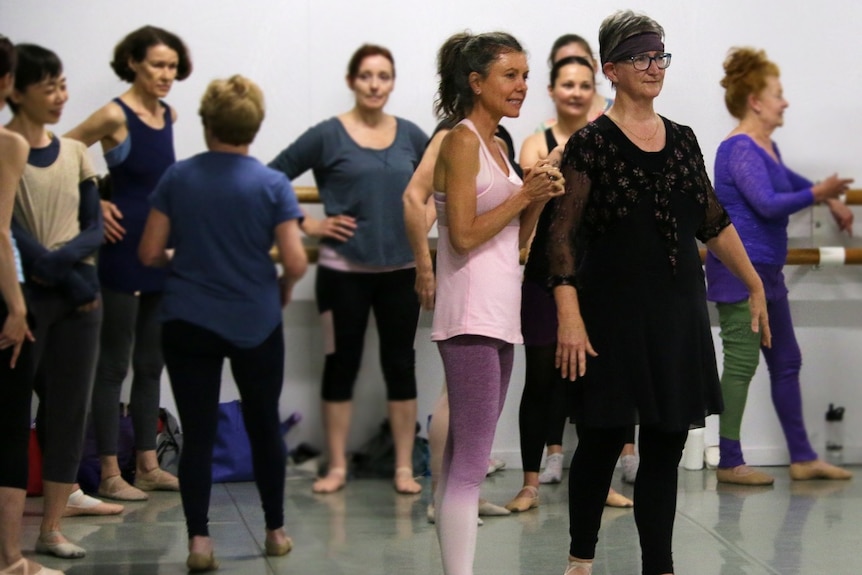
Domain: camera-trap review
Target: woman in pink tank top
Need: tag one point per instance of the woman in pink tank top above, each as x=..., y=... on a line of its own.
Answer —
x=485, y=214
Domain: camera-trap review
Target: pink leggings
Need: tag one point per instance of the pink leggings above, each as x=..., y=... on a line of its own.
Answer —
x=477, y=375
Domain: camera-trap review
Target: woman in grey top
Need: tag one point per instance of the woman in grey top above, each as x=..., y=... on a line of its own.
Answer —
x=362, y=161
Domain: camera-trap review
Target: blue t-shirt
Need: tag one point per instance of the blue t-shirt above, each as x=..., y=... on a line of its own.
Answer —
x=364, y=183
x=223, y=210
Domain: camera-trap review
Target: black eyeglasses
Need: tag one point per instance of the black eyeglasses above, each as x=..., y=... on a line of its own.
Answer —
x=642, y=62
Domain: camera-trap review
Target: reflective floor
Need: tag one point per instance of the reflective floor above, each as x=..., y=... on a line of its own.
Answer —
x=792, y=528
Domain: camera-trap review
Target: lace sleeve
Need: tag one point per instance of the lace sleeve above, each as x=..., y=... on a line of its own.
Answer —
x=566, y=218
x=716, y=218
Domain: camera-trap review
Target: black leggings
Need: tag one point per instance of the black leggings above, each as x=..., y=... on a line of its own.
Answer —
x=16, y=391
x=194, y=357
x=344, y=300
x=544, y=406
x=655, y=491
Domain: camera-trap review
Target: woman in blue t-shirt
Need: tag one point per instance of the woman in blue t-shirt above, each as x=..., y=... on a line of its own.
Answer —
x=223, y=210
x=362, y=161
x=135, y=131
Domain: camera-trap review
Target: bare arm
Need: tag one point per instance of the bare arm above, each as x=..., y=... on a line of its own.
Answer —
x=728, y=248
x=419, y=215
x=291, y=255
x=152, y=249
x=455, y=174
x=13, y=158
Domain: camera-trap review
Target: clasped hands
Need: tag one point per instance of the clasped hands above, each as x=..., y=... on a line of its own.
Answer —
x=543, y=181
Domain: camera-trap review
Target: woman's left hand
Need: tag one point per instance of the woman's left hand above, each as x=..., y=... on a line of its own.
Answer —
x=759, y=318
x=543, y=181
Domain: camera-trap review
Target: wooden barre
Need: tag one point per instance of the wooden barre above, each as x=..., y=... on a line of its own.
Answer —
x=795, y=256
x=309, y=195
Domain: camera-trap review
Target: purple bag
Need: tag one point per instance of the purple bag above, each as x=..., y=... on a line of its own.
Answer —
x=232, y=449
x=90, y=469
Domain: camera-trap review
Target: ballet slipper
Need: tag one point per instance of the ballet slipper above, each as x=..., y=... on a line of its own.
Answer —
x=495, y=465
x=743, y=475
x=488, y=509
x=817, y=469
x=527, y=498
x=157, y=480
x=274, y=549
x=553, y=472
x=334, y=481
x=578, y=567
x=404, y=482
x=115, y=487
x=80, y=503
x=615, y=499
x=48, y=544
x=24, y=567
x=201, y=562
x=630, y=464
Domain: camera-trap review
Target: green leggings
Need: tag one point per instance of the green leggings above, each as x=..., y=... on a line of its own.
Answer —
x=741, y=357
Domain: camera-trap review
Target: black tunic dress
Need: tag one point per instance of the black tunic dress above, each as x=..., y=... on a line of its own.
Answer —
x=625, y=235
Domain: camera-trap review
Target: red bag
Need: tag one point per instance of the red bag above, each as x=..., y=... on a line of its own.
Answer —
x=34, y=473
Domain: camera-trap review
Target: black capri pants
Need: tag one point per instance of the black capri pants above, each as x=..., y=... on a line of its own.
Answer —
x=16, y=392
x=344, y=300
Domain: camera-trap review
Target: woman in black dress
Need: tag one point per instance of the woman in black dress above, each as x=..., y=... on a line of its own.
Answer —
x=625, y=269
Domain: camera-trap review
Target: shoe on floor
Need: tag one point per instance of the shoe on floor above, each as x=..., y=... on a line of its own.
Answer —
x=553, y=472
x=630, y=464
x=24, y=567
x=743, y=475
x=526, y=499
x=200, y=562
x=430, y=515
x=157, y=480
x=277, y=550
x=49, y=544
x=488, y=509
x=116, y=487
x=495, y=465
x=817, y=469
x=80, y=503
x=579, y=568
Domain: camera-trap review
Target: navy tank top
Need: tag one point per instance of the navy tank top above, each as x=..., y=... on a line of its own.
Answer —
x=134, y=177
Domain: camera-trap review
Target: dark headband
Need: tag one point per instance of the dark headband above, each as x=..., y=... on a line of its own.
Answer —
x=633, y=45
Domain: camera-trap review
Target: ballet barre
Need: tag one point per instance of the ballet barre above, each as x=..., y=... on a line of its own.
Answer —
x=309, y=195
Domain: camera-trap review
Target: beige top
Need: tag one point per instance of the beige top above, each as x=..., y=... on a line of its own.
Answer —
x=47, y=200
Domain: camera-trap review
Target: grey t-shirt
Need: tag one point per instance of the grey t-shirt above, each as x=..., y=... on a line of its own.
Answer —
x=364, y=183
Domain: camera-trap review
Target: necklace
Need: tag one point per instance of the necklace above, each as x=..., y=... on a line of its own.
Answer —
x=635, y=134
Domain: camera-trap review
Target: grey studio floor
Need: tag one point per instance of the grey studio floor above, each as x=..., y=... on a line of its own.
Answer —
x=792, y=528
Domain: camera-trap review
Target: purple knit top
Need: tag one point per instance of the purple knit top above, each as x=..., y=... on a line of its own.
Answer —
x=759, y=194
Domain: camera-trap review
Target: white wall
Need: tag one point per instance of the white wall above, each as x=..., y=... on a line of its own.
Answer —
x=298, y=50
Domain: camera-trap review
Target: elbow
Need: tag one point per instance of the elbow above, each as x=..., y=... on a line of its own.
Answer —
x=461, y=246
x=295, y=266
x=149, y=256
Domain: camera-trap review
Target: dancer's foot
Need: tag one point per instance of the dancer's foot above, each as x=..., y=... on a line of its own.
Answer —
x=334, y=480
x=744, y=475
x=54, y=543
x=495, y=465
x=277, y=542
x=578, y=567
x=488, y=509
x=630, y=464
x=157, y=480
x=115, y=487
x=553, y=472
x=817, y=469
x=527, y=498
x=201, y=557
x=404, y=482
x=26, y=567
x=616, y=499
x=79, y=503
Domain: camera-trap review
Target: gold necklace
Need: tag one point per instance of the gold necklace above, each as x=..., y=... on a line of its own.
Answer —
x=635, y=134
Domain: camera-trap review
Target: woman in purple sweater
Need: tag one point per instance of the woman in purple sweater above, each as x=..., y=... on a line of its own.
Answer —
x=759, y=193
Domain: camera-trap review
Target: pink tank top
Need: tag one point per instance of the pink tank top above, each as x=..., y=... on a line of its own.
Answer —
x=479, y=293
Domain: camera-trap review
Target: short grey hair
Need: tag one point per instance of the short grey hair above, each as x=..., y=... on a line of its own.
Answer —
x=623, y=25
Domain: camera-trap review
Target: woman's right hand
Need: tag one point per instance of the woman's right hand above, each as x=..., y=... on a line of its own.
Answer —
x=425, y=287
x=15, y=332
x=340, y=227
x=112, y=215
x=543, y=181
x=831, y=187
x=573, y=345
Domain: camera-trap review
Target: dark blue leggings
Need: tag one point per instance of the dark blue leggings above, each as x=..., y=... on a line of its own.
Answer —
x=194, y=357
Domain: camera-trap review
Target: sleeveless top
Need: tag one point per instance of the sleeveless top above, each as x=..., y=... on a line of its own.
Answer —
x=479, y=293
x=134, y=177
x=550, y=140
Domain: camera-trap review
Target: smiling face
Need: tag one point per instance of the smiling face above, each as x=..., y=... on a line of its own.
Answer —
x=637, y=84
x=156, y=73
x=373, y=83
x=770, y=104
x=573, y=90
x=503, y=90
x=42, y=102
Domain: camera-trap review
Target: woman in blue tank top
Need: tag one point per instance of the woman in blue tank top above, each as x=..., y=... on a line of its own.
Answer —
x=136, y=134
